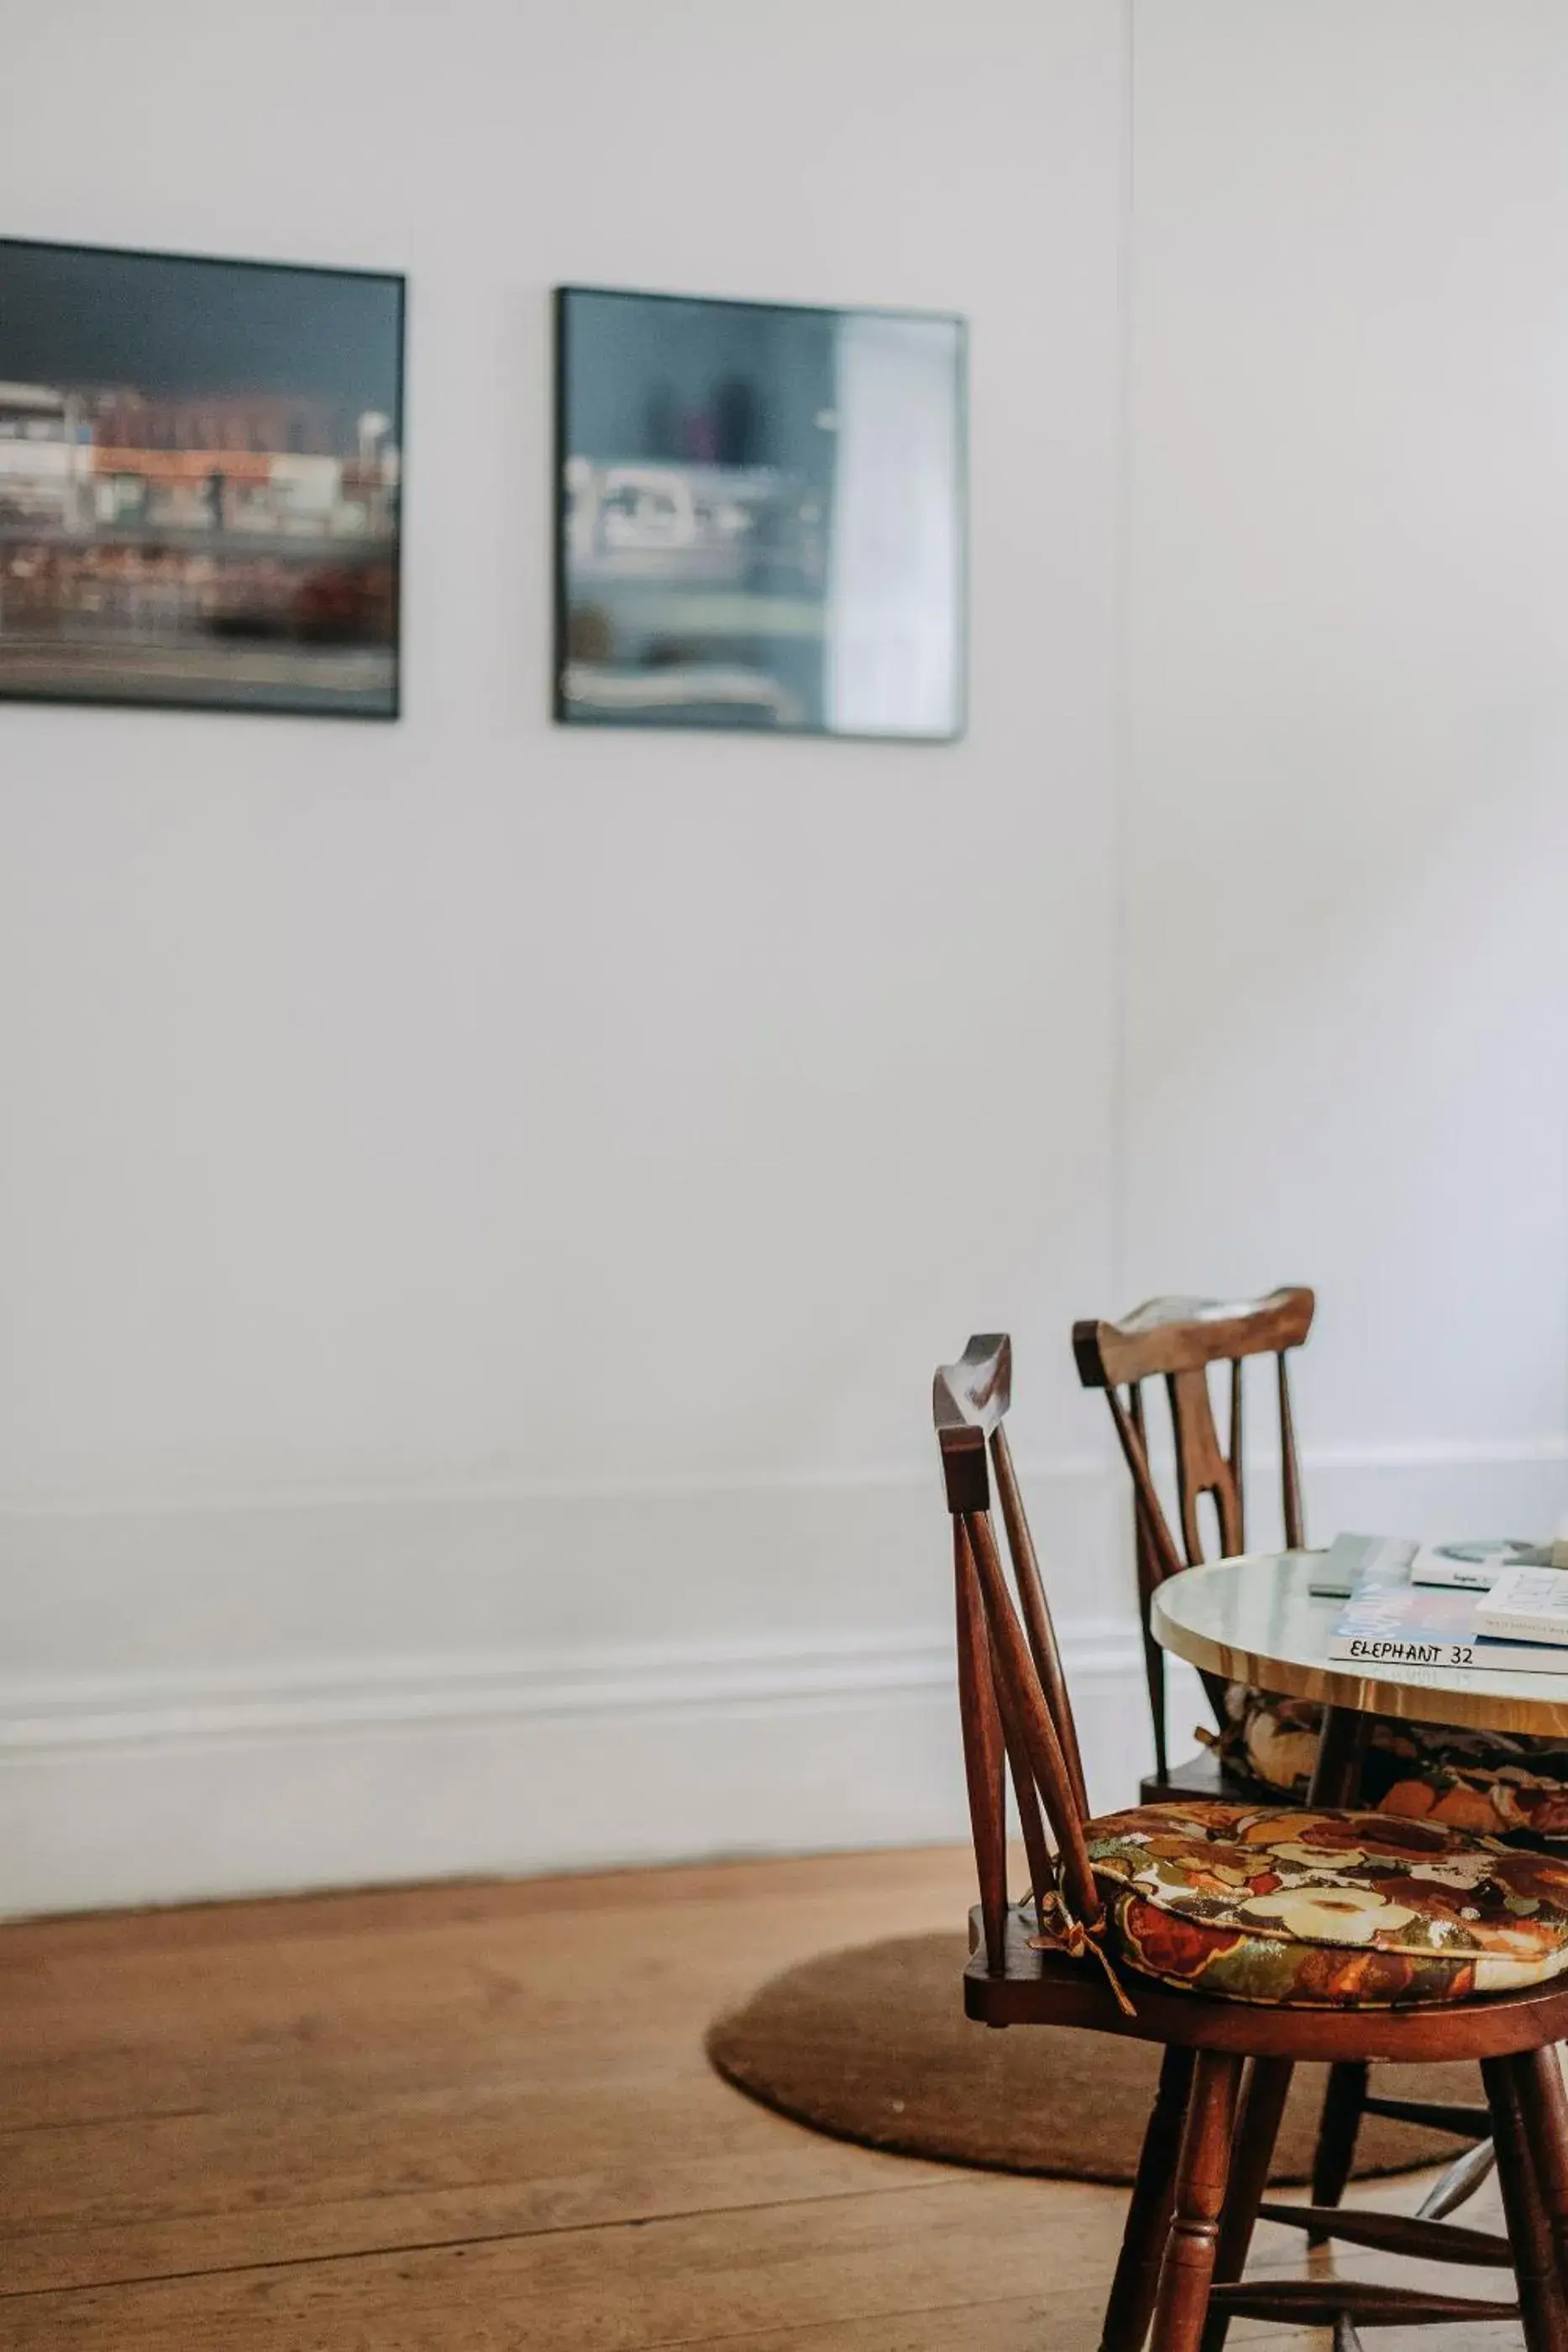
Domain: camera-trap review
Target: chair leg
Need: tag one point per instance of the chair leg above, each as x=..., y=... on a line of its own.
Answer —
x=1541, y=2307
x=1455, y=2187
x=1137, y=2276
x=1545, y=2104
x=1335, y=2151
x=1187, y=2270
x=1268, y=2082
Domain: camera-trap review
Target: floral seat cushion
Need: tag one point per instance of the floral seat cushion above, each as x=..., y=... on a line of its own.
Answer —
x=1300, y=1908
x=1498, y=1784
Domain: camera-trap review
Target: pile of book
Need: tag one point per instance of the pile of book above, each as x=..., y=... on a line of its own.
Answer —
x=1499, y=1605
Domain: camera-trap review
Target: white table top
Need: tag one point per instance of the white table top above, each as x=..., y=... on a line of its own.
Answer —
x=1253, y=1620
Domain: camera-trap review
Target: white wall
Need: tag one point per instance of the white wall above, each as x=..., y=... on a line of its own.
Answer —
x=480, y=1204
x=1346, y=828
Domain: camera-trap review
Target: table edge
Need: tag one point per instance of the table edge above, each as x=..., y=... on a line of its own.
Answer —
x=1335, y=1684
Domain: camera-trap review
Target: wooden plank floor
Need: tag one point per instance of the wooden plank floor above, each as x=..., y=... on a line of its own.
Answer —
x=479, y=2118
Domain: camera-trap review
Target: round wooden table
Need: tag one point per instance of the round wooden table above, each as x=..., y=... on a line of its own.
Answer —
x=1254, y=1619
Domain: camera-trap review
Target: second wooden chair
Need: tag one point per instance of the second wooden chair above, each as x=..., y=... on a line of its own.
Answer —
x=1176, y=1340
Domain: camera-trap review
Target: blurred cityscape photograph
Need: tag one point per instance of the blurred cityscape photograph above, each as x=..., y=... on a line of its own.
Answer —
x=761, y=516
x=200, y=476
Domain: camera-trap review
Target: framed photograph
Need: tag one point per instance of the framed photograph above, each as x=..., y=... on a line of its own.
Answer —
x=760, y=516
x=201, y=469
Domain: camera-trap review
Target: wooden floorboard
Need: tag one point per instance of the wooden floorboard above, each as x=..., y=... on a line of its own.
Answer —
x=477, y=2117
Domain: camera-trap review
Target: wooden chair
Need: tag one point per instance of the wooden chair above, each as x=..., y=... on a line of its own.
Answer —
x=1051, y=1958
x=1176, y=1340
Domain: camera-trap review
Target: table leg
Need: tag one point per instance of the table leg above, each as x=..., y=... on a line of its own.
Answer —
x=1341, y=1743
x=1336, y=1780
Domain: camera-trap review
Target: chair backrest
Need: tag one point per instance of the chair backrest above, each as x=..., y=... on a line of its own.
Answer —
x=1016, y=1714
x=1177, y=1339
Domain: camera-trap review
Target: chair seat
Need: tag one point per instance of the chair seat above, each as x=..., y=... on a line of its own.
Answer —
x=1297, y=1908
x=1496, y=1783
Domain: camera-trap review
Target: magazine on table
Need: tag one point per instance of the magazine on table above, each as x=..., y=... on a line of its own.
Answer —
x=1472, y=1565
x=1527, y=1603
x=1352, y=1560
x=1389, y=1621
x=1476, y=1565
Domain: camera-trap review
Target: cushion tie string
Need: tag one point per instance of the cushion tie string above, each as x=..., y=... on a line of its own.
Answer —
x=1061, y=1932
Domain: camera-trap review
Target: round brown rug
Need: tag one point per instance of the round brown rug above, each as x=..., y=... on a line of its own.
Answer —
x=871, y=2044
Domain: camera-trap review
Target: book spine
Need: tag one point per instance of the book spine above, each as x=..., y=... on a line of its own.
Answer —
x=1393, y=1650
x=1462, y=1574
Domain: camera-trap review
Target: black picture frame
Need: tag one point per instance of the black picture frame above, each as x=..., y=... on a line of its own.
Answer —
x=569, y=443
x=247, y=577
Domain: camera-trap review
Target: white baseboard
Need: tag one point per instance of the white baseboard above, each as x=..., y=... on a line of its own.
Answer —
x=228, y=1694
x=186, y=1787
x=423, y=1695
